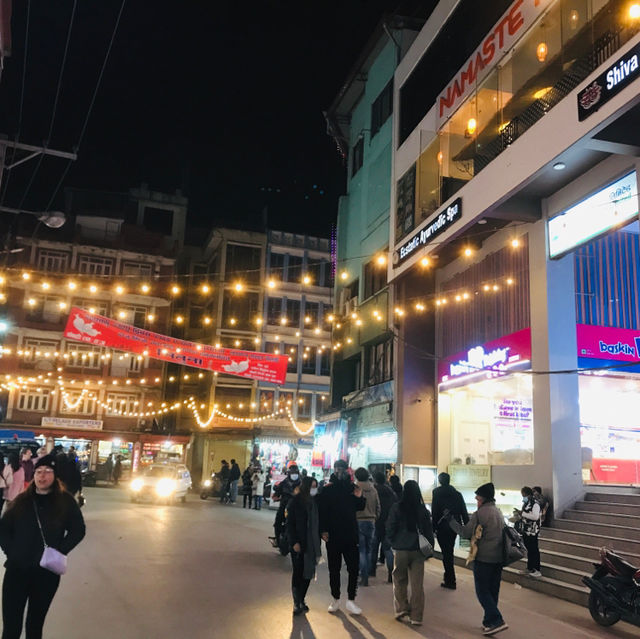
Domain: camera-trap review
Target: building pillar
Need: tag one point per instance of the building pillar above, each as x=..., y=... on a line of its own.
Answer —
x=556, y=410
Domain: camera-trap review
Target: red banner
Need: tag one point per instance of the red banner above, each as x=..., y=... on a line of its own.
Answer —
x=97, y=330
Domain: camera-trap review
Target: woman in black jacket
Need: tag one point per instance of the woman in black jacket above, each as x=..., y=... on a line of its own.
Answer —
x=405, y=519
x=303, y=529
x=22, y=541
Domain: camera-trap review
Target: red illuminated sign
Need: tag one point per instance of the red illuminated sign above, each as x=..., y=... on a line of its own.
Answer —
x=97, y=330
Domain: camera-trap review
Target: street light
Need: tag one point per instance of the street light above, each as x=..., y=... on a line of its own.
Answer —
x=52, y=219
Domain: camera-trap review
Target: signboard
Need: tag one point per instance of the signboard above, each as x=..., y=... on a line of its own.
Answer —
x=439, y=223
x=103, y=331
x=601, y=212
x=69, y=422
x=609, y=83
x=465, y=476
x=605, y=342
x=497, y=355
x=500, y=40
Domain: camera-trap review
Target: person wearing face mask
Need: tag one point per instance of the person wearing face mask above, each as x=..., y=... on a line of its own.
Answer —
x=303, y=531
x=284, y=490
x=337, y=505
x=530, y=514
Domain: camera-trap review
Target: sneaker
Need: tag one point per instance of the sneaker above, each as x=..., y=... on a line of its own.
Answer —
x=399, y=615
x=298, y=610
x=535, y=573
x=525, y=572
x=491, y=630
x=304, y=606
x=352, y=607
x=334, y=606
x=444, y=584
x=414, y=622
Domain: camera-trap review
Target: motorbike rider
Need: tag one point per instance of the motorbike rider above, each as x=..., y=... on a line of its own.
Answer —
x=284, y=490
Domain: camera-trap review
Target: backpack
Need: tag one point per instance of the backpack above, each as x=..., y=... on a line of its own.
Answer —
x=513, y=548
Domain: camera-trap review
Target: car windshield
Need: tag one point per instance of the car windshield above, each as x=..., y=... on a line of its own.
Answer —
x=159, y=471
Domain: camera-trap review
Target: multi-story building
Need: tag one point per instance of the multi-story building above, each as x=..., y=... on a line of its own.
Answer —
x=267, y=292
x=360, y=122
x=115, y=257
x=514, y=251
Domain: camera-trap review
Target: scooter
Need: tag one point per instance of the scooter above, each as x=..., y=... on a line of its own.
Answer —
x=615, y=590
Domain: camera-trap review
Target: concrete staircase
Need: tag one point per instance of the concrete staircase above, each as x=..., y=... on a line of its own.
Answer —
x=570, y=546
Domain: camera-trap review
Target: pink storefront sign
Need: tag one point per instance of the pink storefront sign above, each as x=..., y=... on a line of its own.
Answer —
x=604, y=342
x=496, y=356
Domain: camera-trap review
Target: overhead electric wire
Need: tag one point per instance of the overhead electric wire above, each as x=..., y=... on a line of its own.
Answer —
x=92, y=102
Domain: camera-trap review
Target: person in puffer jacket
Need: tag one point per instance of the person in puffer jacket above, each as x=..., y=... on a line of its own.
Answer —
x=366, y=523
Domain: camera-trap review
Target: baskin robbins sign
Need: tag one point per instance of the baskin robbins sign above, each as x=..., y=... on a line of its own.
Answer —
x=495, y=357
x=615, y=345
x=609, y=83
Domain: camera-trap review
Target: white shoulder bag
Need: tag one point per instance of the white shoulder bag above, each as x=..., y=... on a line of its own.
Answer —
x=51, y=559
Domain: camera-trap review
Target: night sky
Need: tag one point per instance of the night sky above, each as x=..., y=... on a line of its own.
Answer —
x=221, y=99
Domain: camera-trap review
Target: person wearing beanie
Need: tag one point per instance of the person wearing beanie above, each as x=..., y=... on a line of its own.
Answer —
x=26, y=583
x=447, y=498
x=486, y=525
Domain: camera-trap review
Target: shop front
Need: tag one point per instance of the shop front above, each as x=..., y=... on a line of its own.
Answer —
x=329, y=444
x=278, y=452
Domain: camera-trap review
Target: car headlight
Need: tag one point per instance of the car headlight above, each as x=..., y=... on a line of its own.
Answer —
x=137, y=484
x=207, y=483
x=166, y=487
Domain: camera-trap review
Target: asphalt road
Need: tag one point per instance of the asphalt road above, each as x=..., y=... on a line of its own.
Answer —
x=203, y=570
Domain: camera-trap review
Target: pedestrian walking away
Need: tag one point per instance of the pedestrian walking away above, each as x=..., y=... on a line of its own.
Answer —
x=529, y=528
x=117, y=470
x=247, y=487
x=258, y=487
x=406, y=519
x=44, y=511
x=224, y=480
x=380, y=542
x=234, y=478
x=366, y=523
x=396, y=485
x=447, y=498
x=337, y=505
x=303, y=529
x=486, y=526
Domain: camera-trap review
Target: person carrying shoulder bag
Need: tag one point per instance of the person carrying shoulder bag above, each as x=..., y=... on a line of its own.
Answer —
x=408, y=519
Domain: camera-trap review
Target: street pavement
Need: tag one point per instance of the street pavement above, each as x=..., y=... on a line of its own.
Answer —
x=205, y=570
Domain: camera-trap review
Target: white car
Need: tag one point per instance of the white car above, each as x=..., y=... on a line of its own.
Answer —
x=166, y=482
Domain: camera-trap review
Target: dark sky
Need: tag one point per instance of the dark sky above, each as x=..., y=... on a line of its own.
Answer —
x=222, y=99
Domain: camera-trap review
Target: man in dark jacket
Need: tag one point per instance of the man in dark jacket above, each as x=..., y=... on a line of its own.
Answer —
x=223, y=474
x=284, y=491
x=387, y=498
x=447, y=498
x=337, y=505
x=234, y=477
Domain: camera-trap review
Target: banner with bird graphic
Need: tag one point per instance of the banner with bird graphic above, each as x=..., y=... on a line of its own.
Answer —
x=97, y=330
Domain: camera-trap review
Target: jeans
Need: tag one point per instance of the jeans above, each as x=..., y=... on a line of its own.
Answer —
x=365, y=530
x=246, y=500
x=33, y=584
x=380, y=541
x=233, y=490
x=533, y=552
x=257, y=500
x=335, y=552
x=408, y=572
x=487, y=581
x=447, y=542
x=299, y=585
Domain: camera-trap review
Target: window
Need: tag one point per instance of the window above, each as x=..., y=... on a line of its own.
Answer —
x=141, y=269
x=89, y=265
x=357, y=156
x=241, y=307
x=93, y=306
x=243, y=263
x=382, y=108
x=276, y=265
x=234, y=400
x=291, y=350
x=379, y=361
x=35, y=349
x=311, y=314
x=266, y=401
x=325, y=362
x=78, y=403
x=34, y=400
x=274, y=310
x=309, y=360
x=83, y=355
x=121, y=403
x=158, y=220
x=135, y=315
x=123, y=363
x=285, y=400
x=275, y=347
x=375, y=278
x=319, y=271
x=45, y=308
x=293, y=312
x=53, y=261
x=305, y=401
x=294, y=270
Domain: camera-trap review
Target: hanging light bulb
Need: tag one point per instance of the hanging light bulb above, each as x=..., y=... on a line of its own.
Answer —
x=472, y=125
x=541, y=51
x=574, y=16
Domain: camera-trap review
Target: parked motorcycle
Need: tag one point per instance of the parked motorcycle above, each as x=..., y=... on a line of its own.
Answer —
x=615, y=590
